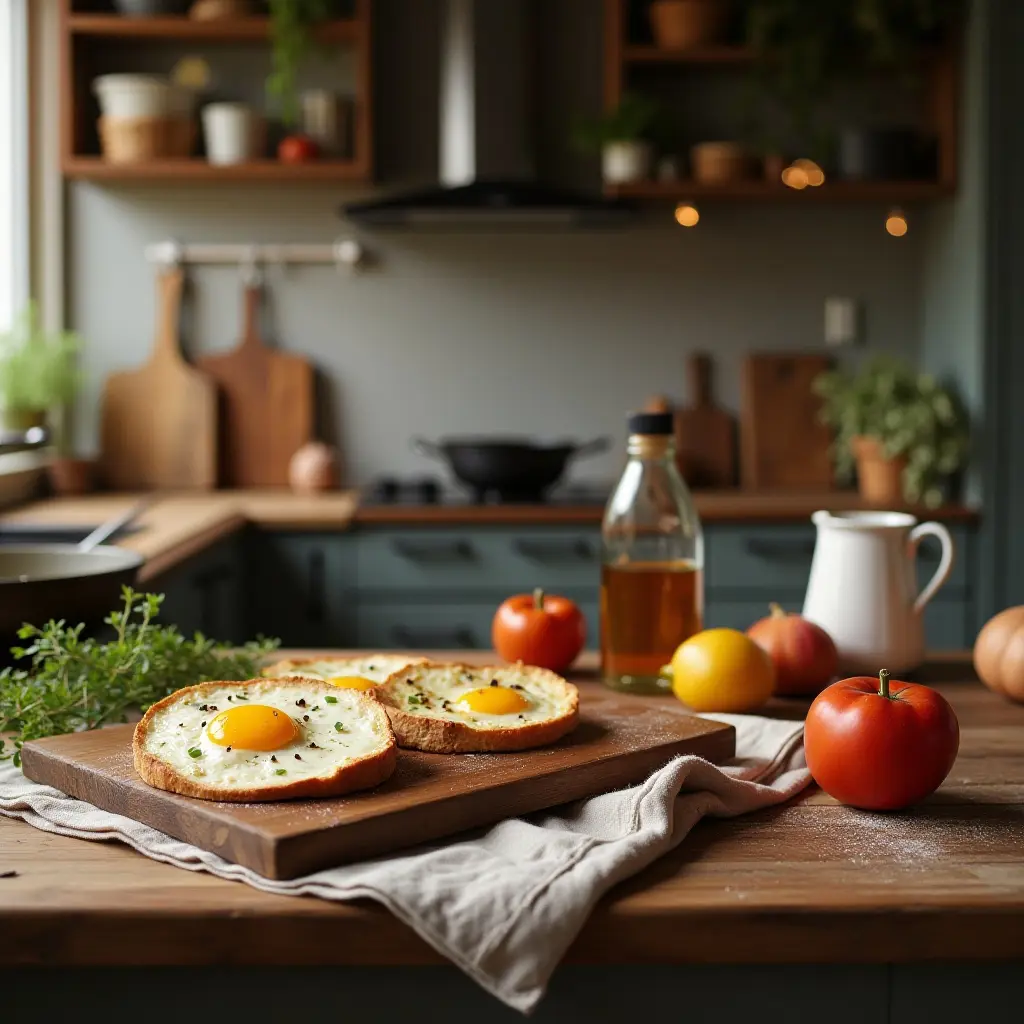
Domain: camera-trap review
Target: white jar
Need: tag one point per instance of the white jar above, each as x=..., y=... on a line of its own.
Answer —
x=625, y=161
x=231, y=132
x=126, y=96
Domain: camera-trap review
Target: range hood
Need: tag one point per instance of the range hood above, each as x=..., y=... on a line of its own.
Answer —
x=487, y=168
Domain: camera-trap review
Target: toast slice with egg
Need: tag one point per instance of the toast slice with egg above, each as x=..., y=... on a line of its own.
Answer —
x=264, y=739
x=455, y=709
x=373, y=668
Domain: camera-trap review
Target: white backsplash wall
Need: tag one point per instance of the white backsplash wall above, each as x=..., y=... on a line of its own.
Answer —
x=533, y=333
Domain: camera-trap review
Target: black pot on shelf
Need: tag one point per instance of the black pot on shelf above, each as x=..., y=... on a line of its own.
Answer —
x=885, y=154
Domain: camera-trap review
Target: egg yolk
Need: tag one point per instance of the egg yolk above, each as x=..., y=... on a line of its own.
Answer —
x=253, y=727
x=352, y=682
x=493, y=700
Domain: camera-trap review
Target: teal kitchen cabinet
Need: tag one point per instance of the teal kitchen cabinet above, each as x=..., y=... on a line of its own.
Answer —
x=205, y=593
x=300, y=587
x=423, y=588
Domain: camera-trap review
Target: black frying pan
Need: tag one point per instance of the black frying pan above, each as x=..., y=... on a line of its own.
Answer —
x=513, y=469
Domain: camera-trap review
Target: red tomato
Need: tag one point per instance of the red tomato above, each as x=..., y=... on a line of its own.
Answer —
x=297, y=149
x=877, y=745
x=804, y=655
x=539, y=629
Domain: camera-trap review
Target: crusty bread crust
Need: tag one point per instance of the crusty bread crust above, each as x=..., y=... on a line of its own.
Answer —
x=364, y=773
x=443, y=736
x=296, y=664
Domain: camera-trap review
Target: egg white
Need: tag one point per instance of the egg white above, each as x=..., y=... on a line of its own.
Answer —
x=444, y=685
x=179, y=727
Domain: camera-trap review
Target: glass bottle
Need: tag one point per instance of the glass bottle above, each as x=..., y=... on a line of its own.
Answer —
x=652, y=583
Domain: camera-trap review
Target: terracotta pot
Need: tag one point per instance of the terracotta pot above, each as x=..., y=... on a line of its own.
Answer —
x=880, y=479
x=72, y=476
x=683, y=24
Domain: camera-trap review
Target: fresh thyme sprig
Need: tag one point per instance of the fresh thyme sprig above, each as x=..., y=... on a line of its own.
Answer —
x=74, y=682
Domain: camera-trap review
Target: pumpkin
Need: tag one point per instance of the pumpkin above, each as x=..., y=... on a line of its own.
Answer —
x=803, y=653
x=999, y=653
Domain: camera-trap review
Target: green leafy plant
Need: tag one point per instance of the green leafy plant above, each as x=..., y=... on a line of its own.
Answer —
x=805, y=48
x=38, y=368
x=74, y=683
x=632, y=121
x=292, y=27
x=910, y=413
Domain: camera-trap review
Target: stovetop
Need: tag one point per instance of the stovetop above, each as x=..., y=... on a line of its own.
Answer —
x=420, y=491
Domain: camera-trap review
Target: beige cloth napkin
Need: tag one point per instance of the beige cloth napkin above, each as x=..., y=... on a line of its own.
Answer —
x=503, y=903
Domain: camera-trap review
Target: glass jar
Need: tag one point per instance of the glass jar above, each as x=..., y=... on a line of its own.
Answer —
x=652, y=581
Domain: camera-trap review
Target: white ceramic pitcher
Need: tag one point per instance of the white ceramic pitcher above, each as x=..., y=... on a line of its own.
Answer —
x=863, y=587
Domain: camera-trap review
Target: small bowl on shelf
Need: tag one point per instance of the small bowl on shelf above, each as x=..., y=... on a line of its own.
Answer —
x=686, y=24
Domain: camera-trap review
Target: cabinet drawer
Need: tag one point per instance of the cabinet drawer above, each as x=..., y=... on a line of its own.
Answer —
x=772, y=558
x=778, y=558
x=413, y=560
x=438, y=626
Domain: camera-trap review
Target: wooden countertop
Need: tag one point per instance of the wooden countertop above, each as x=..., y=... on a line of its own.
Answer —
x=809, y=882
x=178, y=526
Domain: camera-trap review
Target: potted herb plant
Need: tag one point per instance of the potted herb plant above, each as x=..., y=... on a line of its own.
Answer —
x=39, y=377
x=292, y=27
x=622, y=139
x=903, y=432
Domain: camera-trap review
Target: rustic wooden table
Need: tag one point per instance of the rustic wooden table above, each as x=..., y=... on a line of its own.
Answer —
x=811, y=882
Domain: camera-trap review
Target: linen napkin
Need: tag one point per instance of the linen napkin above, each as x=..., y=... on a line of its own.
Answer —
x=503, y=903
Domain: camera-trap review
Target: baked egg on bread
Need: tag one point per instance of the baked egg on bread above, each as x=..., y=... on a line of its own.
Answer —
x=455, y=708
x=358, y=673
x=264, y=739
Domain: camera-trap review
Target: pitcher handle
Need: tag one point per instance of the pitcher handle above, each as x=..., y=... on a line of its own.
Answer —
x=945, y=562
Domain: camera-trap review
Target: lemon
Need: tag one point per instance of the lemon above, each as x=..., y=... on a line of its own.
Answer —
x=722, y=670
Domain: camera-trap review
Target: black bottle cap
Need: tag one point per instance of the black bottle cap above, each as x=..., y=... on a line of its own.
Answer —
x=650, y=423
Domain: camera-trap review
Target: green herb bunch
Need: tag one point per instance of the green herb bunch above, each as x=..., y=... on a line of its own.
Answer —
x=291, y=32
x=75, y=683
x=910, y=413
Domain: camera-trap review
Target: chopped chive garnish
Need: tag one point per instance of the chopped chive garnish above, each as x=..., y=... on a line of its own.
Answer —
x=330, y=699
x=195, y=752
x=338, y=727
x=281, y=771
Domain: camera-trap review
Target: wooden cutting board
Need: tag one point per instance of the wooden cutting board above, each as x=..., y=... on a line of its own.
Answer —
x=267, y=403
x=620, y=740
x=783, y=444
x=705, y=434
x=158, y=424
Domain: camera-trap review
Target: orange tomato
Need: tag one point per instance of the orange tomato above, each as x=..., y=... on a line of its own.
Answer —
x=539, y=629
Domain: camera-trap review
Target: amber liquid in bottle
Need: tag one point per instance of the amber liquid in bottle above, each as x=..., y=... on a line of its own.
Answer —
x=647, y=610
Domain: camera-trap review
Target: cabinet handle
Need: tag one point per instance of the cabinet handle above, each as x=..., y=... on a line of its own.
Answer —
x=457, y=636
x=315, y=597
x=437, y=552
x=556, y=550
x=780, y=550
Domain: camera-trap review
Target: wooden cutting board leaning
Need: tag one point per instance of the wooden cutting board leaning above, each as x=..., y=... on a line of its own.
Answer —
x=783, y=443
x=267, y=405
x=158, y=424
x=705, y=433
x=620, y=740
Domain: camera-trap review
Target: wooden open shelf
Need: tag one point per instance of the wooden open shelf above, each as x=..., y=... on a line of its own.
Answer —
x=83, y=58
x=755, y=189
x=627, y=52
x=95, y=168
x=228, y=30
